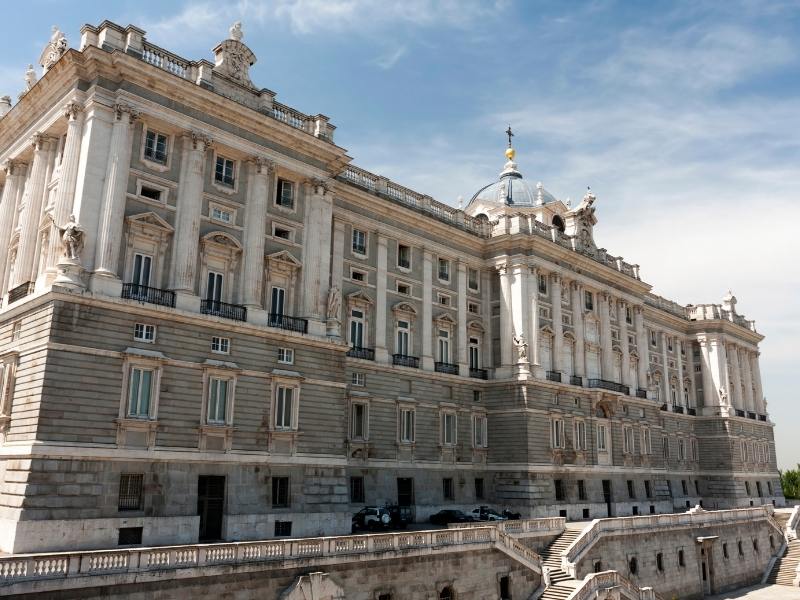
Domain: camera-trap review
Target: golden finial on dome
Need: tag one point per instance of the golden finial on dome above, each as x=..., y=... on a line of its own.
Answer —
x=510, y=152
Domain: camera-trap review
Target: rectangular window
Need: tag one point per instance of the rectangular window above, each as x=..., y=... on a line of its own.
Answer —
x=403, y=288
x=220, y=345
x=285, y=196
x=358, y=379
x=647, y=447
x=214, y=287
x=580, y=435
x=278, y=298
x=476, y=395
x=140, y=390
x=144, y=333
x=407, y=425
x=357, y=490
x=472, y=279
x=359, y=242
x=225, y=171
x=284, y=234
x=653, y=339
x=631, y=490
x=665, y=447
x=474, y=353
x=403, y=337
x=479, y=427
x=542, y=284
x=559, y=488
x=403, y=256
x=601, y=438
x=217, y=400
x=627, y=440
x=358, y=275
x=447, y=488
x=358, y=421
x=478, y=488
x=283, y=528
x=588, y=300
x=444, y=346
x=681, y=449
x=647, y=489
x=130, y=491
x=684, y=488
x=628, y=315
x=444, y=269
x=129, y=536
x=449, y=429
x=581, y=489
x=557, y=433
x=693, y=446
x=443, y=299
x=280, y=492
x=150, y=192
x=283, y=407
x=155, y=146
x=141, y=269
x=224, y=216
x=472, y=308
x=286, y=356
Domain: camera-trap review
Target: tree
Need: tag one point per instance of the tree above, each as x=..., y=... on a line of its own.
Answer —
x=790, y=482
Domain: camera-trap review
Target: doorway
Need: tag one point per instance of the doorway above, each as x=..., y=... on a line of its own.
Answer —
x=607, y=495
x=210, y=506
x=405, y=491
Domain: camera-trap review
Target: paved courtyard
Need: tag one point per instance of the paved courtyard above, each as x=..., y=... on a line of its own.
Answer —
x=761, y=592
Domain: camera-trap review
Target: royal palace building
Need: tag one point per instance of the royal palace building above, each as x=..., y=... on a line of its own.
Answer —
x=215, y=326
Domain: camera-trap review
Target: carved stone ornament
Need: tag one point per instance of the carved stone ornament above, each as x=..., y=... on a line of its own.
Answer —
x=233, y=59
x=71, y=238
x=334, y=302
x=54, y=49
x=522, y=347
x=30, y=78
x=121, y=109
x=72, y=110
x=314, y=586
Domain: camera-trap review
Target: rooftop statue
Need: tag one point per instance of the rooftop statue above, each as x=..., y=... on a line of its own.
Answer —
x=54, y=49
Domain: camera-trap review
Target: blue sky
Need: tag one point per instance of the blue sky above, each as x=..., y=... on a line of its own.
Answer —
x=682, y=116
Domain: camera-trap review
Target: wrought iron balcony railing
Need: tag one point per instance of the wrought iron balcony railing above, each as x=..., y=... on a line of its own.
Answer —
x=677, y=409
x=691, y=411
x=150, y=295
x=288, y=323
x=640, y=393
x=405, y=361
x=739, y=413
x=479, y=373
x=20, y=291
x=443, y=367
x=575, y=380
x=235, y=312
x=553, y=376
x=762, y=417
x=609, y=385
x=359, y=352
x=751, y=415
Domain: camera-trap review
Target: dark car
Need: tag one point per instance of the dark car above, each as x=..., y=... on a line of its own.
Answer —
x=382, y=517
x=443, y=517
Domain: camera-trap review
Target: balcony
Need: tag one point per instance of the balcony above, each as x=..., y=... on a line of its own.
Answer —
x=19, y=292
x=640, y=393
x=363, y=353
x=235, y=312
x=739, y=413
x=762, y=417
x=143, y=293
x=405, y=361
x=479, y=373
x=443, y=367
x=553, y=376
x=691, y=411
x=677, y=409
x=609, y=385
x=288, y=323
x=751, y=415
x=575, y=380
x=664, y=407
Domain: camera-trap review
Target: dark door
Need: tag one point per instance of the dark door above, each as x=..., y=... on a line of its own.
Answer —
x=607, y=495
x=210, y=506
x=405, y=491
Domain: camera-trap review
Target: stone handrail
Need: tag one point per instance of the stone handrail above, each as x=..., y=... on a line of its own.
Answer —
x=164, y=59
x=606, y=579
x=626, y=525
x=18, y=568
x=520, y=526
x=793, y=524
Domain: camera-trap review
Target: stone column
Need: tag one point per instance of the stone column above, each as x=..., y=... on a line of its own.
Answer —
x=337, y=267
x=558, y=323
x=381, y=323
x=183, y=266
x=747, y=379
x=623, y=342
x=719, y=368
x=65, y=194
x=736, y=374
x=507, y=357
x=15, y=181
x=642, y=346
x=32, y=210
x=487, y=357
x=529, y=282
x=463, y=364
x=606, y=348
x=317, y=255
x=112, y=215
x=679, y=365
x=665, y=368
x=577, y=325
x=759, y=393
x=254, y=229
x=710, y=392
x=427, y=310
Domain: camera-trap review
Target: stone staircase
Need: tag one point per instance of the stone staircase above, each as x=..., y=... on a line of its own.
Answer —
x=561, y=584
x=784, y=570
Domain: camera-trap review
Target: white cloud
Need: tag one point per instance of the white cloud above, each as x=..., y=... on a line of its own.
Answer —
x=390, y=59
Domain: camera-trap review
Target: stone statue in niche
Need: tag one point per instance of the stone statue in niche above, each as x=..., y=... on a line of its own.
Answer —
x=71, y=238
x=54, y=50
x=522, y=347
x=723, y=396
x=334, y=302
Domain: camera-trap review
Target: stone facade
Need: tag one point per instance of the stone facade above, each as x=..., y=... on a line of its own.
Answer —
x=215, y=327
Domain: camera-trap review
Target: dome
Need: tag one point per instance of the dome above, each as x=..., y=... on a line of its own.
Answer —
x=511, y=189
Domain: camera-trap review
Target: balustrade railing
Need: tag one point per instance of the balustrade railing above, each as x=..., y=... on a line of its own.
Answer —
x=739, y=413
x=762, y=417
x=288, y=323
x=143, y=293
x=677, y=409
x=443, y=367
x=165, y=60
x=595, y=582
x=691, y=411
x=751, y=415
x=609, y=385
x=235, y=312
x=521, y=526
x=290, y=116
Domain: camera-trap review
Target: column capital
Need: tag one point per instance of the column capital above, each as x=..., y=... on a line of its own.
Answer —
x=198, y=140
x=14, y=167
x=72, y=111
x=576, y=285
x=319, y=186
x=121, y=110
x=555, y=277
x=39, y=141
x=263, y=166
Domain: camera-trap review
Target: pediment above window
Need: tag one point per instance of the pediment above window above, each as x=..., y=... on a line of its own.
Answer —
x=405, y=308
x=475, y=326
x=283, y=259
x=223, y=240
x=444, y=319
x=359, y=298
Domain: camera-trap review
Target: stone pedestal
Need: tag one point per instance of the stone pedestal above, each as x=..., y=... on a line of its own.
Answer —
x=333, y=328
x=70, y=274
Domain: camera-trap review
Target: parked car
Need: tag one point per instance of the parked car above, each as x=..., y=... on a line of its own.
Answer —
x=443, y=517
x=382, y=517
x=511, y=516
x=484, y=513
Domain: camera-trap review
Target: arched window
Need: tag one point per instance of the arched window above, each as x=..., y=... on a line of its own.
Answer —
x=558, y=223
x=633, y=565
x=447, y=594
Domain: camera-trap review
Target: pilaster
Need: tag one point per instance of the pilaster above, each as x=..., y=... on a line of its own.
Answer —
x=747, y=380
x=736, y=374
x=15, y=181
x=607, y=360
x=317, y=255
x=558, y=324
x=711, y=397
x=427, y=310
x=761, y=405
x=487, y=354
x=621, y=308
x=577, y=325
x=463, y=364
x=665, y=370
x=679, y=364
x=642, y=346
x=506, y=323
x=381, y=324
x=255, y=221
